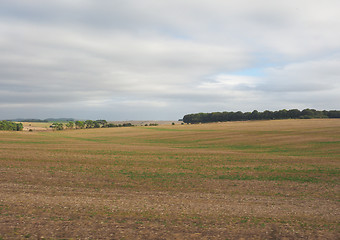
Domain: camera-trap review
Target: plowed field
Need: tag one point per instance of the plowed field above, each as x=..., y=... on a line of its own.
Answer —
x=236, y=180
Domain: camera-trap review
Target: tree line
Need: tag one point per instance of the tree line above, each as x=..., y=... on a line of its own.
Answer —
x=11, y=126
x=87, y=124
x=256, y=115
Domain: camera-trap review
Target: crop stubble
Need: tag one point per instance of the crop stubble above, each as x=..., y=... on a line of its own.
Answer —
x=251, y=180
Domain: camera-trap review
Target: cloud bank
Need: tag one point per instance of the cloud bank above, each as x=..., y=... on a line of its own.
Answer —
x=123, y=60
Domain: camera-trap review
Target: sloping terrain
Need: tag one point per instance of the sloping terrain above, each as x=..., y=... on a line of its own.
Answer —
x=237, y=180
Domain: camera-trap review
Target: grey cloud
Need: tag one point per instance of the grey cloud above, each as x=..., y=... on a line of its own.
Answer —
x=122, y=56
x=321, y=75
x=27, y=97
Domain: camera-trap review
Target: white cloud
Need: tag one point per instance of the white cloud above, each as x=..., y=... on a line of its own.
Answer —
x=231, y=82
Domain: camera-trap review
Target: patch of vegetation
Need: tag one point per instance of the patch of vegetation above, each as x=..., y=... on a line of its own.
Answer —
x=10, y=126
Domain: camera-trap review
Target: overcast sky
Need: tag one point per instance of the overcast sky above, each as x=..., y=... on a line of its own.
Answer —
x=162, y=59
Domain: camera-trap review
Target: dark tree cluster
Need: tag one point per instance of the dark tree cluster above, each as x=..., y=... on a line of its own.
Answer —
x=256, y=115
x=151, y=124
x=110, y=125
x=10, y=126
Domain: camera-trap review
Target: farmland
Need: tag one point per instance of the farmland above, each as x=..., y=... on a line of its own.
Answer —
x=252, y=180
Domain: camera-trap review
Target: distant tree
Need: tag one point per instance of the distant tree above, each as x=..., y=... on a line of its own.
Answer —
x=333, y=114
x=216, y=117
x=70, y=125
x=10, y=126
x=100, y=123
x=57, y=126
x=294, y=113
x=267, y=115
x=307, y=113
x=80, y=124
x=20, y=127
x=282, y=114
x=247, y=116
x=96, y=124
x=238, y=116
x=255, y=115
x=89, y=123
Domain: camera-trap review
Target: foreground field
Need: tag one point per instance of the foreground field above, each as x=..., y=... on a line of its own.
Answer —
x=237, y=180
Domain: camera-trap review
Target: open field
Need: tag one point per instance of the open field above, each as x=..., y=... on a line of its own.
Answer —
x=37, y=126
x=236, y=180
x=45, y=126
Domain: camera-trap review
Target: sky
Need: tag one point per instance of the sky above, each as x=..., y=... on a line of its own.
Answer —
x=162, y=59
